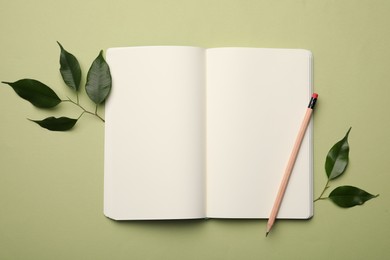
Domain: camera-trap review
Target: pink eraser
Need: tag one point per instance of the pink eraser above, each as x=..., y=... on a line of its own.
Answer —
x=315, y=95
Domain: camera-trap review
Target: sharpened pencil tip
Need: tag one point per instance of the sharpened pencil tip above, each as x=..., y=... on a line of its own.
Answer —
x=266, y=234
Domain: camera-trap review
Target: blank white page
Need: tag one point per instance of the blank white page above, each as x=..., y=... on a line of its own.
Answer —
x=256, y=100
x=155, y=134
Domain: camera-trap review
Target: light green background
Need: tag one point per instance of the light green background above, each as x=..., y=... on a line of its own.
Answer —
x=51, y=184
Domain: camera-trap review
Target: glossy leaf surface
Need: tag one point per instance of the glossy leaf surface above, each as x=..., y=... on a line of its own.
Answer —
x=35, y=92
x=349, y=196
x=98, y=80
x=70, y=69
x=56, y=124
x=337, y=158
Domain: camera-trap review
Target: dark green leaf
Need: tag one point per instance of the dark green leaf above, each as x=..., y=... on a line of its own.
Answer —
x=98, y=80
x=70, y=69
x=56, y=124
x=349, y=196
x=35, y=92
x=337, y=158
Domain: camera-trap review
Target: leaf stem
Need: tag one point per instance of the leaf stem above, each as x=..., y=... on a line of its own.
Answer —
x=322, y=198
x=82, y=113
x=323, y=191
x=84, y=110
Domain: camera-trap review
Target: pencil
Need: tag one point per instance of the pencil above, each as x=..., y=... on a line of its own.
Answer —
x=291, y=162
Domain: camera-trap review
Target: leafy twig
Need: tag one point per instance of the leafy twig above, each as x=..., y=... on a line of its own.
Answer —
x=335, y=166
x=40, y=95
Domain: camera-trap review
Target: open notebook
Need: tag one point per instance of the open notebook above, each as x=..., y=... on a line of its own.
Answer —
x=206, y=133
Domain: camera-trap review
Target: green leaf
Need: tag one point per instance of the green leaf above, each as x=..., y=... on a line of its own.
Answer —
x=56, y=124
x=98, y=80
x=70, y=69
x=337, y=158
x=349, y=196
x=35, y=92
